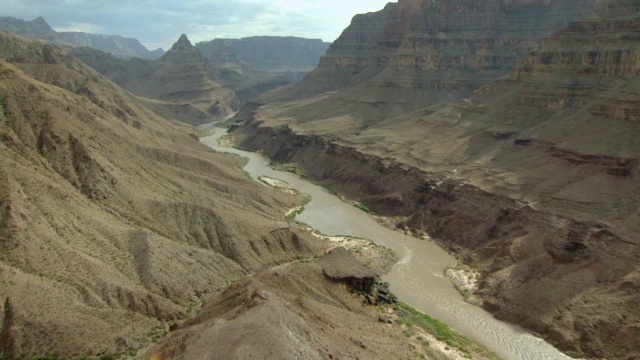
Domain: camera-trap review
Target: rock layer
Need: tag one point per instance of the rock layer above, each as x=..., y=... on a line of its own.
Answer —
x=415, y=54
x=269, y=53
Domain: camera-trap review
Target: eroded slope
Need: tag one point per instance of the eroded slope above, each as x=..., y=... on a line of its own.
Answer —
x=114, y=219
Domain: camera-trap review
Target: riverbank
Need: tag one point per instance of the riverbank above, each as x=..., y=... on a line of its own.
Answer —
x=418, y=277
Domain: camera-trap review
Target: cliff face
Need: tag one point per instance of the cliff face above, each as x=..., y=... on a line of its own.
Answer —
x=270, y=53
x=415, y=54
x=112, y=219
x=117, y=45
x=532, y=179
x=213, y=79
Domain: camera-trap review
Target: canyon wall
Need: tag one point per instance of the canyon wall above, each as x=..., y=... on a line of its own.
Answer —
x=532, y=178
x=269, y=53
x=415, y=54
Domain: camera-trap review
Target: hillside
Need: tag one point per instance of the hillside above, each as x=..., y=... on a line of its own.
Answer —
x=119, y=46
x=525, y=166
x=115, y=220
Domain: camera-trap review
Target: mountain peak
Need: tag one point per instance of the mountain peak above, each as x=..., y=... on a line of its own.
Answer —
x=40, y=23
x=183, y=43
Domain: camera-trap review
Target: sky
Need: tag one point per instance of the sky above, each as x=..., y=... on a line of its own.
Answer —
x=159, y=23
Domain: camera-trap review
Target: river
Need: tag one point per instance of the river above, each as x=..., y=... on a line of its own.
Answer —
x=417, y=279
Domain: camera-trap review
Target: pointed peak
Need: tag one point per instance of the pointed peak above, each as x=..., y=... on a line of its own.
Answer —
x=184, y=40
x=183, y=43
x=40, y=22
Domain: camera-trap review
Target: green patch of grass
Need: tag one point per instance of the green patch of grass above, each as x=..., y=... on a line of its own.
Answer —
x=292, y=215
x=47, y=357
x=408, y=333
x=363, y=207
x=442, y=332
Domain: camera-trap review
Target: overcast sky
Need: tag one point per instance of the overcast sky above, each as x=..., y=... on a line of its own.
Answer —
x=159, y=23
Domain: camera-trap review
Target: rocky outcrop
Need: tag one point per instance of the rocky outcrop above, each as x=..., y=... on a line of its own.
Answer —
x=119, y=46
x=339, y=265
x=291, y=312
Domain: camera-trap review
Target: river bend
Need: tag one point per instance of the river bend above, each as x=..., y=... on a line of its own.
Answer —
x=417, y=279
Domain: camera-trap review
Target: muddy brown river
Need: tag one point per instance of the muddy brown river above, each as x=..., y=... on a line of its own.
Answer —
x=417, y=279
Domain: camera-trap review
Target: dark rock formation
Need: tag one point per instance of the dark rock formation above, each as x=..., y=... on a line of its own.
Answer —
x=340, y=265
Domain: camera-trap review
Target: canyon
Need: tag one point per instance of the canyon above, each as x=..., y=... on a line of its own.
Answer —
x=194, y=84
x=504, y=130
x=123, y=236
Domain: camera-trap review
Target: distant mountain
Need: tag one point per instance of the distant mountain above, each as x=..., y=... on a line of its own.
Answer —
x=270, y=53
x=255, y=65
x=114, y=44
x=180, y=83
x=36, y=28
x=179, y=79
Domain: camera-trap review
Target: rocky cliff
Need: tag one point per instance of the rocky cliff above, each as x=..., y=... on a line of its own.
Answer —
x=532, y=178
x=117, y=45
x=270, y=53
x=112, y=219
x=415, y=54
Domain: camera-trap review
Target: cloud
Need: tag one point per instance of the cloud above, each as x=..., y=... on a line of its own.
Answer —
x=80, y=27
x=160, y=22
